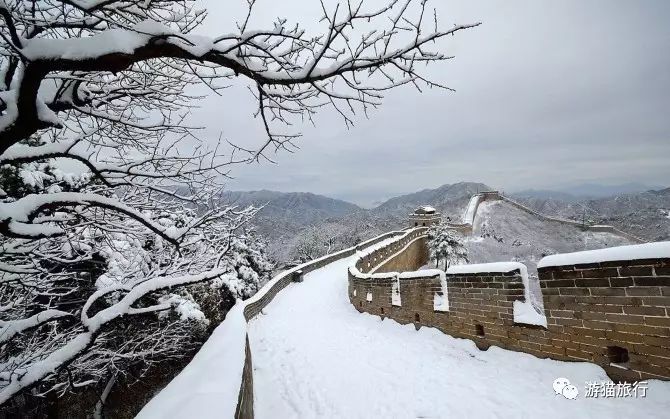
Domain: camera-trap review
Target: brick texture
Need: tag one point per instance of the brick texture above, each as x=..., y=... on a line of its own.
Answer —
x=594, y=312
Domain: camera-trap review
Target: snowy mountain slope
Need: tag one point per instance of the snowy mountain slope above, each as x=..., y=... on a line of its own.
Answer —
x=546, y=194
x=586, y=191
x=286, y=213
x=331, y=235
x=300, y=207
x=503, y=232
x=289, y=217
x=448, y=199
x=643, y=214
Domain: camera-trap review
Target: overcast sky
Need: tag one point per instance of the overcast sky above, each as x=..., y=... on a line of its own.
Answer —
x=548, y=94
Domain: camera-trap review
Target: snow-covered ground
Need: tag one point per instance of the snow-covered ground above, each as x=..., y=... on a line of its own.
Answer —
x=315, y=356
x=503, y=232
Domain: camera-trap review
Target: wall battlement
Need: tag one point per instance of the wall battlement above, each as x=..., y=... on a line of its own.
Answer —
x=614, y=314
x=467, y=225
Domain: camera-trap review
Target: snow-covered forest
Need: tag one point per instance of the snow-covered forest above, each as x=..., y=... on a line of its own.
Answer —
x=114, y=253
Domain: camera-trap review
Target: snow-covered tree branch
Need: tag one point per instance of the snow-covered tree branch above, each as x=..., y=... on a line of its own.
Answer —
x=85, y=285
x=106, y=60
x=446, y=246
x=137, y=229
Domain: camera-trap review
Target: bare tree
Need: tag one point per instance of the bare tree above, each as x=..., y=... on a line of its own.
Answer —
x=314, y=242
x=106, y=84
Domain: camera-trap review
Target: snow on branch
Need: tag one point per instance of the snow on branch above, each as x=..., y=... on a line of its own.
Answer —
x=75, y=346
x=63, y=298
x=295, y=73
x=108, y=85
x=16, y=218
x=8, y=329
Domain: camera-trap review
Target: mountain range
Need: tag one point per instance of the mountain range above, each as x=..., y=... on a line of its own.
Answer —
x=288, y=219
x=305, y=207
x=645, y=214
x=301, y=207
x=586, y=191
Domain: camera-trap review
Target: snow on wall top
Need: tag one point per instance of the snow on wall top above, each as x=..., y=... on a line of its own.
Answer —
x=210, y=383
x=221, y=360
x=658, y=250
x=501, y=267
x=425, y=209
x=471, y=210
x=524, y=312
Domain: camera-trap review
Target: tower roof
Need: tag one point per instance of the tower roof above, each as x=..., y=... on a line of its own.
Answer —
x=425, y=209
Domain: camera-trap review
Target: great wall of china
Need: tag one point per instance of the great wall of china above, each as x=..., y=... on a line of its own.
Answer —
x=614, y=312
x=469, y=216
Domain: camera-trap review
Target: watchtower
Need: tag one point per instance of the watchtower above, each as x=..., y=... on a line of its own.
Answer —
x=424, y=216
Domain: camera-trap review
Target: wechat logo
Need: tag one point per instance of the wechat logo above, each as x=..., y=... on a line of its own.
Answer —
x=563, y=387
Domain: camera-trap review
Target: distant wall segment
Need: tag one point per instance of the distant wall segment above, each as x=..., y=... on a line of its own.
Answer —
x=467, y=225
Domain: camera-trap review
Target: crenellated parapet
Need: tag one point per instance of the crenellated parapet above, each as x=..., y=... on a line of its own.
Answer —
x=610, y=307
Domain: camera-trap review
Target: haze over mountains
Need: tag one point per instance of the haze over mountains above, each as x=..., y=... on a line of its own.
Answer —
x=291, y=221
x=586, y=191
x=299, y=207
x=305, y=207
x=288, y=219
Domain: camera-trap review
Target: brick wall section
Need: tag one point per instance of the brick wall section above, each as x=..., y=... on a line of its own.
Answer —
x=379, y=257
x=414, y=256
x=592, y=311
x=475, y=300
x=626, y=304
x=416, y=294
x=485, y=300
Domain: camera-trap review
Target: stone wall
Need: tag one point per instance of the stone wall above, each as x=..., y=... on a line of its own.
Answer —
x=236, y=362
x=410, y=258
x=386, y=256
x=596, y=311
x=480, y=305
x=614, y=314
x=254, y=305
x=245, y=399
x=466, y=227
x=424, y=220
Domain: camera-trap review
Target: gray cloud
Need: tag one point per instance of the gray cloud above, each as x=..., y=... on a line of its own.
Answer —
x=548, y=94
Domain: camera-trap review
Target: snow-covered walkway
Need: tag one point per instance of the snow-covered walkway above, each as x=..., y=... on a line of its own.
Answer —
x=315, y=356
